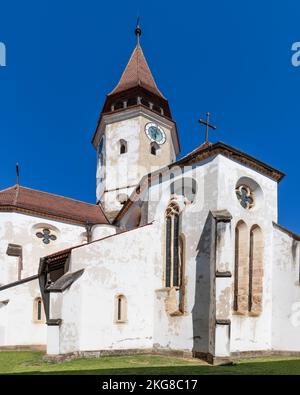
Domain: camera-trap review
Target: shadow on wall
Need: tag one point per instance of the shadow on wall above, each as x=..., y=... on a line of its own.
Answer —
x=202, y=312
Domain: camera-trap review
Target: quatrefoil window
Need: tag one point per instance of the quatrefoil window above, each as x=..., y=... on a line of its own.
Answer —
x=46, y=236
x=245, y=196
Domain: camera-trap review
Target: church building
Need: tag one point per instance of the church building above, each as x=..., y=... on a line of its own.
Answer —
x=177, y=256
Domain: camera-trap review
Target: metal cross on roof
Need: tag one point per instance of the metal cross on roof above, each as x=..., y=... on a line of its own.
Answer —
x=208, y=125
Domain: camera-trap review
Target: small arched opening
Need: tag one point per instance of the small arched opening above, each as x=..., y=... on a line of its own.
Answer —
x=123, y=146
x=154, y=148
x=120, y=309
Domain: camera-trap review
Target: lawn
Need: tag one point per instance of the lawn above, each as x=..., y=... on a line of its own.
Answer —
x=26, y=362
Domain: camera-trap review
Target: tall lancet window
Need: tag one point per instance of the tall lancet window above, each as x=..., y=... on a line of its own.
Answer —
x=120, y=309
x=248, y=273
x=255, y=271
x=241, y=268
x=173, y=253
x=38, y=316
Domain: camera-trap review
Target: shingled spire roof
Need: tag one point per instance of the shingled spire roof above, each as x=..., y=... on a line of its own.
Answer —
x=136, y=90
x=137, y=73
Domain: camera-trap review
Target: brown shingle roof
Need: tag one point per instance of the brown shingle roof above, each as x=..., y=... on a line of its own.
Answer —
x=137, y=73
x=50, y=205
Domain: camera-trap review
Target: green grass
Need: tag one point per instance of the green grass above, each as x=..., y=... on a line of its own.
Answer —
x=26, y=362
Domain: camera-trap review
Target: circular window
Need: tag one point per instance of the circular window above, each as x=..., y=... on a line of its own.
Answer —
x=46, y=233
x=245, y=196
x=46, y=236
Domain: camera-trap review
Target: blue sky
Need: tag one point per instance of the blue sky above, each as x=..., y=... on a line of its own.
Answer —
x=231, y=58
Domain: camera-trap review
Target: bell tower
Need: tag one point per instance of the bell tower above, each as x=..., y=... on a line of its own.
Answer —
x=135, y=134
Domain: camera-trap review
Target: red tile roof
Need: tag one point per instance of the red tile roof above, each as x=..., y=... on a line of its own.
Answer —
x=49, y=205
x=137, y=73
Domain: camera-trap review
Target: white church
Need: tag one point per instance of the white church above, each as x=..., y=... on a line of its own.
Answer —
x=181, y=257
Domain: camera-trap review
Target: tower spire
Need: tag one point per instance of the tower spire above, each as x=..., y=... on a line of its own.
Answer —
x=138, y=31
x=137, y=72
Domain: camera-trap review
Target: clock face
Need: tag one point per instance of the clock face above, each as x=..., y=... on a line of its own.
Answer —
x=155, y=133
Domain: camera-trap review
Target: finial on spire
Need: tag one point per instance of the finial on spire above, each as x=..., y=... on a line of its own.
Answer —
x=17, y=173
x=138, y=30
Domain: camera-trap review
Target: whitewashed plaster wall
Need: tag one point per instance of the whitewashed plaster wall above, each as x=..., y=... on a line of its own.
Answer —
x=247, y=332
x=286, y=292
x=101, y=231
x=17, y=228
x=216, y=181
x=120, y=264
x=126, y=170
x=17, y=324
x=189, y=332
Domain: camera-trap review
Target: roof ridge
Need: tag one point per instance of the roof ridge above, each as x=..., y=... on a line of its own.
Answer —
x=15, y=189
x=153, y=80
x=133, y=52
x=140, y=53
x=6, y=189
x=49, y=204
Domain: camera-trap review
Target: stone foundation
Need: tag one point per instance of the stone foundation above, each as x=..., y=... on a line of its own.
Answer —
x=33, y=347
x=209, y=358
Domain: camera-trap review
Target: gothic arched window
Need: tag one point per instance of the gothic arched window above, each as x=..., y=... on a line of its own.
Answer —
x=173, y=261
x=248, y=271
x=181, y=272
x=241, y=268
x=255, y=270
